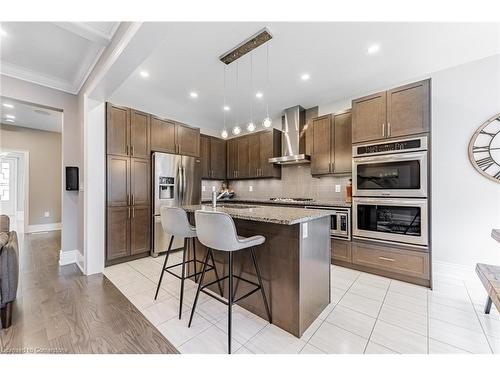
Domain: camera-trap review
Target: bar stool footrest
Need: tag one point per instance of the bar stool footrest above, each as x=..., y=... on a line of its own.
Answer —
x=167, y=269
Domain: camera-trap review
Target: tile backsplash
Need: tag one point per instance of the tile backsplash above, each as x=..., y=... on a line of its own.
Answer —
x=296, y=181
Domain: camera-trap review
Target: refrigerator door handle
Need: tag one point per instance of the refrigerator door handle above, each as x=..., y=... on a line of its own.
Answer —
x=184, y=183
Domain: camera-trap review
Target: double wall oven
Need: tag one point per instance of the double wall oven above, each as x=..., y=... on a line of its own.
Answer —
x=390, y=189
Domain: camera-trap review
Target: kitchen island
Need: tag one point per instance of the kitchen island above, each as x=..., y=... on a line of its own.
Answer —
x=294, y=261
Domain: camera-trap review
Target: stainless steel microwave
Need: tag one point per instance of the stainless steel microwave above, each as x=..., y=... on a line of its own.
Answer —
x=391, y=169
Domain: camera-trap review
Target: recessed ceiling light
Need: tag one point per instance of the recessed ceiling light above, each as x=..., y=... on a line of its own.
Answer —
x=10, y=116
x=259, y=95
x=3, y=32
x=224, y=134
x=9, y=120
x=251, y=127
x=227, y=108
x=144, y=74
x=236, y=130
x=193, y=94
x=7, y=105
x=305, y=77
x=374, y=48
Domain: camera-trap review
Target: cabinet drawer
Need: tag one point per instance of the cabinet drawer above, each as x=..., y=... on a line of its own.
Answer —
x=341, y=250
x=407, y=262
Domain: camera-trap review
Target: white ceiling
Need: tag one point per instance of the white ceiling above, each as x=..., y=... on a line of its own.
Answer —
x=29, y=115
x=334, y=54
x=54, y=54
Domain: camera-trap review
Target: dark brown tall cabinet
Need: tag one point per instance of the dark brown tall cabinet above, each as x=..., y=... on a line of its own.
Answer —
x=248, y=156
x=331, y=145
x=402, y=111
x=213, y=157
x=128, y=186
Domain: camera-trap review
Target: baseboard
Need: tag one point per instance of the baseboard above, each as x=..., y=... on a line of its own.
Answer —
x=68, y=257
x=44, y=227
x=80, y=262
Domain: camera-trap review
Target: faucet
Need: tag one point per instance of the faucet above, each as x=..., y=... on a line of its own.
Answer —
x=216, y=197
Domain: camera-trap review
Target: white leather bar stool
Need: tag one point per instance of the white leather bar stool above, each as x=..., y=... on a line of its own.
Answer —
x=175, y=222
x=216, y=230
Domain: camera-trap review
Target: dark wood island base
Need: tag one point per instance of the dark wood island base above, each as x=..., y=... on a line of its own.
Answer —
x=295, y=266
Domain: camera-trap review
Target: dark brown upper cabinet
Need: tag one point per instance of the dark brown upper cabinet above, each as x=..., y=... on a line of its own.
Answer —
x=188, y=140
x=218, y=158
x=332, y=145
x=248, y=156
x=368, y=118
x=408, y=109
x=398, y=112
x=205, y=156
x=127, y=132
x=212, y=157
x=163, y=135
x=139, y=134
x=117, y=130
x=174, y=138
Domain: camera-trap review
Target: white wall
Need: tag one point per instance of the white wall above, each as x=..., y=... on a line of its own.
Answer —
x=465, y=205
x=71, y=147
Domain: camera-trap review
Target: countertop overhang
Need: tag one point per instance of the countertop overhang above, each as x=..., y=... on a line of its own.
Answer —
x=266, y=214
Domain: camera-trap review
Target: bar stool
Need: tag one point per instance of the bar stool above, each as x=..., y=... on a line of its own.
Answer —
x=216, y=230
x=175, y=222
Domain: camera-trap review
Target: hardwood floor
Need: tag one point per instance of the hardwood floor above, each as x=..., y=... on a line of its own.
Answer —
x=59, y=310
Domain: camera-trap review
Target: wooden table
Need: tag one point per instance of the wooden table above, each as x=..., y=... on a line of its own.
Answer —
x=490, y=277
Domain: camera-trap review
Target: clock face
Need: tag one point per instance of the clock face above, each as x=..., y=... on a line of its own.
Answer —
x=484, y=149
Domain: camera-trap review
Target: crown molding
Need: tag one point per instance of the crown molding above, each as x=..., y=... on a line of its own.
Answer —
x=86, y=31
x=38, y=78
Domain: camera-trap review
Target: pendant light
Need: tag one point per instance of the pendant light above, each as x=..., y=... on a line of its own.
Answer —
x=236, y=129
x=224, y=133
x=251, y=125
x=267, y=121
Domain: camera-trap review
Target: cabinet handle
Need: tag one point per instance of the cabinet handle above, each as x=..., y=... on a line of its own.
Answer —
x=133, y=212
x=387, y=259
x=126, y=149
x=383, y=130
x=388, y=129
x=132, y=150
x=128, y=213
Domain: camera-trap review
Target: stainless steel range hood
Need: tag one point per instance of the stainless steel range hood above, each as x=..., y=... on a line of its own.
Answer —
x=293, y=141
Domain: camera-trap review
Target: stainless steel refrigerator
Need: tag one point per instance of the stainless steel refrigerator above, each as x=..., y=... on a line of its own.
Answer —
x=176, y=182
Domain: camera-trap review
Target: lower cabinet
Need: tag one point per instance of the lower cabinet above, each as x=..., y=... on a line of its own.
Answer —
x=118, y=233
x=341, y=250
x=391, y=259
x=128, y=232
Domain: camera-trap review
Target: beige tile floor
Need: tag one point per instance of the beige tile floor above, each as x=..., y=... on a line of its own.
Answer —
x=368, y=314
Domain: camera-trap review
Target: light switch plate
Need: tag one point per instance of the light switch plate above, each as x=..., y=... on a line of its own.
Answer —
x=337, y=188
x=250, y=188
x=305, y=230
x=203, y=188
x=46, y=214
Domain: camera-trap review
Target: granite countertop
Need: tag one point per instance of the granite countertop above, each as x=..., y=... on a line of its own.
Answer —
x=329, y=203
x=495, y=233
x=267, y=214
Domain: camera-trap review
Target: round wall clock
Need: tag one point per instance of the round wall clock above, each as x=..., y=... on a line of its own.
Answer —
x=484, y=149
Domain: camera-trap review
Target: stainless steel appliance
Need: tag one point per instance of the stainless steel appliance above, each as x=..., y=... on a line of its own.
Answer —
x=176, y=182
x=391, y=169
x=340, y=223
x=391, y=219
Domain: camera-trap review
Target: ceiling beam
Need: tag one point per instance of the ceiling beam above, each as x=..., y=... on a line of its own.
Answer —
x=85, y=31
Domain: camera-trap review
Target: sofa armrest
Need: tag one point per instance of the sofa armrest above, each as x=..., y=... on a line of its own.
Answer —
x=9, y=270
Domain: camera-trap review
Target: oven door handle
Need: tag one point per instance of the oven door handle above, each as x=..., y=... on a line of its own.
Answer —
x=416, y=155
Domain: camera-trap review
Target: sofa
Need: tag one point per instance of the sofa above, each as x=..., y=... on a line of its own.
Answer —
x=9, y=271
